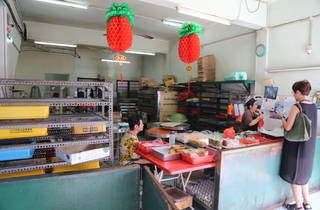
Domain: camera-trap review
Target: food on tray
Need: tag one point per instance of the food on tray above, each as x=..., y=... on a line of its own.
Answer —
x=177, y=117
x=196, y=152
x=215, y=142
x=170, y=124
x=197, y=142
x=158, y=131
x=176, y=149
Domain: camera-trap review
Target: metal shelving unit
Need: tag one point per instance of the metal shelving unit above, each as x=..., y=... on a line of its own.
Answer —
x=57, y=122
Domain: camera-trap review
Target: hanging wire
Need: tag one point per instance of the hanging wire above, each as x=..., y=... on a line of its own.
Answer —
x=253, y=10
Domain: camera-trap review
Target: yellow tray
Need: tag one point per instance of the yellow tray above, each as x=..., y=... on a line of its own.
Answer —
x=23, y=112
x=18, y=174
x=22, y=132
x=88, y=129
x=83, y=166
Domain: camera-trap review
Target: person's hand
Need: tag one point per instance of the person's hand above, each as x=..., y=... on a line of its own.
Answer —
x=261, y=117
x=142, y=161
x=280, y=115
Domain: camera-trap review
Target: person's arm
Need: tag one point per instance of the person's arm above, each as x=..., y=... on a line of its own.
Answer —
x=255, y=121
x=287, y=124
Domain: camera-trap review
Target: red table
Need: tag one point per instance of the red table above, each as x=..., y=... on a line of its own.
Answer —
x=174, y=167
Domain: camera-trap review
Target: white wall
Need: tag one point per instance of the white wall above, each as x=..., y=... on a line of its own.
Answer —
x=155, y=67
x=34, y=65
x=286, y=45
x=231, y=55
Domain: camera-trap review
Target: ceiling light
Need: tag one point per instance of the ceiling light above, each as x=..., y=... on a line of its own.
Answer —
x=65, y=3
x=140, y=52
x=175, y=23
x=55, y=44
x=114, y=61
x=203, y=15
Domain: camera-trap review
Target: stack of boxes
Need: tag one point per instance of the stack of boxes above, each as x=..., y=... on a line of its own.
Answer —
x=168, y=104
x=207, y=68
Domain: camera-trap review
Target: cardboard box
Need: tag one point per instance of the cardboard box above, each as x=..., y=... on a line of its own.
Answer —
x=82, y=153
x=206, y=68
x=181, y=199
x=83, y=129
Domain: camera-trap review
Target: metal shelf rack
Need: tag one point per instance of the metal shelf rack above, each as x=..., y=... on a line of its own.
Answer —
x=57, y=121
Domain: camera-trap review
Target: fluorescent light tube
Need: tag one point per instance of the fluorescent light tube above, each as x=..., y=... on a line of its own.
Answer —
x=140, y=52
x=202, y=15
x=55, y=44
x=65, y=3
x=114, y=61
x=174, y=23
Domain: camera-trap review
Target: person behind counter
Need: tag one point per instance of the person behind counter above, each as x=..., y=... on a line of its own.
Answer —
x=129, y=141
x=251, y=116
x=297, y=157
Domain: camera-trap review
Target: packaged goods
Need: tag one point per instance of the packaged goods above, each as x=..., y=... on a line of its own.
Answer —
x=9, y=112
x=22, y=133
x=83, y=129
x=19, y=174
x=78, y=167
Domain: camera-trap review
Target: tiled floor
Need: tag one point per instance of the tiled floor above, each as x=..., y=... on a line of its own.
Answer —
x=315, y=201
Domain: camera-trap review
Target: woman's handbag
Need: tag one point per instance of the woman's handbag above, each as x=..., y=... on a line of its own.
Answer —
x=301, y=129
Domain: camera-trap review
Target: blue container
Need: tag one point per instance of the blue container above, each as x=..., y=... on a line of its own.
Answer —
x=15, y=154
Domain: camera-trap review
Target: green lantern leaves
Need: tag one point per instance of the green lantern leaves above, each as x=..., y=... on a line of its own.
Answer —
x=122, y=10
x=189, y=28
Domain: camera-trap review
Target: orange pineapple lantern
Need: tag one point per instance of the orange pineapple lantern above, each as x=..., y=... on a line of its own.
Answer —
x=189, y=43
x=120, y=20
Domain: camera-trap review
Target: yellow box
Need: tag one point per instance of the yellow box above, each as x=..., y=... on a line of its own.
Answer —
x=78, y=167
x=25, y=173
x=24, y=112
x=88, y=129
x=22, y=133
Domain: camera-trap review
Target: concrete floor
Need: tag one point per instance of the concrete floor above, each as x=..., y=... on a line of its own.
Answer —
x=315, y=201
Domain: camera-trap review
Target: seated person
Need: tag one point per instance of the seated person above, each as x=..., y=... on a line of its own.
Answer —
x=251, y=116
x=129, y=142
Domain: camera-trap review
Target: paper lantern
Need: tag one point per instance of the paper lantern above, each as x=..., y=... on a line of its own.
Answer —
x=189, y=43
x=120, y=20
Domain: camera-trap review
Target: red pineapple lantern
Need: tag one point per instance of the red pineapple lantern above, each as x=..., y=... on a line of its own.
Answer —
x=189, y=43
x=120, y=20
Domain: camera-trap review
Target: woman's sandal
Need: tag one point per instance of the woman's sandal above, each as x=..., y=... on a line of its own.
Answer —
x=292, y=207
x=307, y=206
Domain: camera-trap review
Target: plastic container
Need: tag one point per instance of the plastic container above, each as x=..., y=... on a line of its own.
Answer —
x=84, y=166
x=22, y=133
x=9, y=112
x=26, y=173
x=146, y=146
x=248, y=141
x=197, y=160
x=172, y=138
x=9, y=154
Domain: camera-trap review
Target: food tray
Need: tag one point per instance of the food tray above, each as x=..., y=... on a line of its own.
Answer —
x=158, y=133
x=197, y=160
x=162, y=154
x=146, y=146
x=180, y=127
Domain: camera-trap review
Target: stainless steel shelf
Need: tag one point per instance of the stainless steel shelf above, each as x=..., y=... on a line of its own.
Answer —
x=54, y=144
x=54, y=121
x=8, y=82
x=59, y=102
